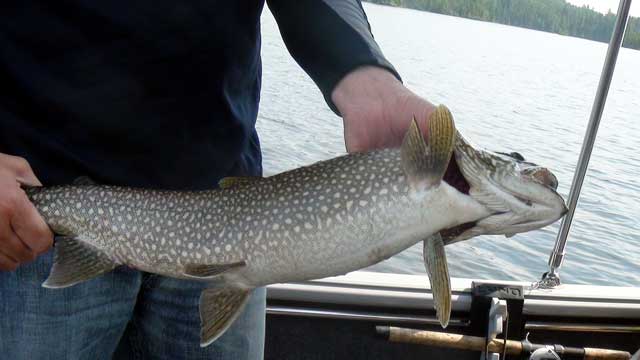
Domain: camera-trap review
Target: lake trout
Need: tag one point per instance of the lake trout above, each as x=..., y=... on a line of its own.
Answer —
x=316, y=221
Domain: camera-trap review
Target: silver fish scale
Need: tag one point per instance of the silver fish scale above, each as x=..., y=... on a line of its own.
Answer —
x=292, y=224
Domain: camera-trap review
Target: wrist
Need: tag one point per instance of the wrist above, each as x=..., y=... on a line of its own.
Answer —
x=366, y=87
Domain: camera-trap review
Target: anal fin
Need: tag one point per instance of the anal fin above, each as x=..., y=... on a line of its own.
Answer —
x=219, y=307
x=208, y=272
x=76, y=261
x=435, y=260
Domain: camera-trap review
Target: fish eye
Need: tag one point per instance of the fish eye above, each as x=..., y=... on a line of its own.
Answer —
x=542, y=176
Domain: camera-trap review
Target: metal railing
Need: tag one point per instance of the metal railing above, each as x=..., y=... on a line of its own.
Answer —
x=552, y=277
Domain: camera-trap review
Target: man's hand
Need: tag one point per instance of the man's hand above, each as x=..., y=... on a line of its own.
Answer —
x=376, y=108
x=23, y=233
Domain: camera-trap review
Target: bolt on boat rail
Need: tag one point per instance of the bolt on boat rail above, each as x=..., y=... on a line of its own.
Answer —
x=552, y=278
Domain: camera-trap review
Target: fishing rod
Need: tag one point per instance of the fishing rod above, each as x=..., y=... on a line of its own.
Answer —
x=509, y=347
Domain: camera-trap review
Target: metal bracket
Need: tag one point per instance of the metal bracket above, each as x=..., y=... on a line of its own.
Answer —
x=500, y=295
x=497, y=315
x=549, y=280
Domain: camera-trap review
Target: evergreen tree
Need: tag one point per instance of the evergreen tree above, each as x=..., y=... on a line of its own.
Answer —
x=557, y=16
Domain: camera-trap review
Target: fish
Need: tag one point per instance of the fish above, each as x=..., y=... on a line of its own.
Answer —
x=325, y=219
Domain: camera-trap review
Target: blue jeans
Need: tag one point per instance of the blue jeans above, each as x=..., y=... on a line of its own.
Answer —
x=125, y=314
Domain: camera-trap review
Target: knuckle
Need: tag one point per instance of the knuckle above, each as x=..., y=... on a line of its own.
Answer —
x=10, y=194
x=21, y=164
x=21, y=252
x=30, y=256
x=8, y=201
x=42, y=245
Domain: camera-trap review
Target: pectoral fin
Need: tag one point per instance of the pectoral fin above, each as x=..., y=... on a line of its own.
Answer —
x=76, y=261
x=425, y=161
x=435, y=260
x=208, y=272
x=219, y=307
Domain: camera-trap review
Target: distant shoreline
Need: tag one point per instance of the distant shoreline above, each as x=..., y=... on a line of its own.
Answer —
x=553, y=16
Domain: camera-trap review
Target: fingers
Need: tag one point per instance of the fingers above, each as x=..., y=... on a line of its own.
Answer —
x=30, y=228
x=15, y=249
x=20, y=169
x=23, y=232
x=7, y=263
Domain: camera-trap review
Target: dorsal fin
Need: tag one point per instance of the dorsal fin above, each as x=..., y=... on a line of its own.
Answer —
x=425, y=161
x=83, y=180
x=235, y=181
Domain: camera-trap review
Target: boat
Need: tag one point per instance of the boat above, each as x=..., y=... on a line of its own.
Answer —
x=367, y=315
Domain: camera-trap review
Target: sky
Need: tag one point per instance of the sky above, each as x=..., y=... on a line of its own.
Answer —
x=604, y=5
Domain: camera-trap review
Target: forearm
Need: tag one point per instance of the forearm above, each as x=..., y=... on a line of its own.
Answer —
x=329, y=39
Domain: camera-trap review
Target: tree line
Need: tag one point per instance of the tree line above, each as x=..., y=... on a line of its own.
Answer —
x=557, y=16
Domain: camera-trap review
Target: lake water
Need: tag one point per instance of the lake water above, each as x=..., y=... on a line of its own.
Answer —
x=510, y=89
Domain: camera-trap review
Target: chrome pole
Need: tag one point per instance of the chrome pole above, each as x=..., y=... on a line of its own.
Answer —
x=552, y=278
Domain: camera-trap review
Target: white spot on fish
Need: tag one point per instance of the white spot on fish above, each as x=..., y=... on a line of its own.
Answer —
x=227, y=247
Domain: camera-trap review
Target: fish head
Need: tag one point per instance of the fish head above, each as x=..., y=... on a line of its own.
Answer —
x=520, y=195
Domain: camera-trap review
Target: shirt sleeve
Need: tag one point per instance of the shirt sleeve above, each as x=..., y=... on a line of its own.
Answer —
x=328, y=39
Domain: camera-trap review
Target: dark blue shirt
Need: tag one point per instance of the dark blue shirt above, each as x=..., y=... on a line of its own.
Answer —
x=158, y=93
